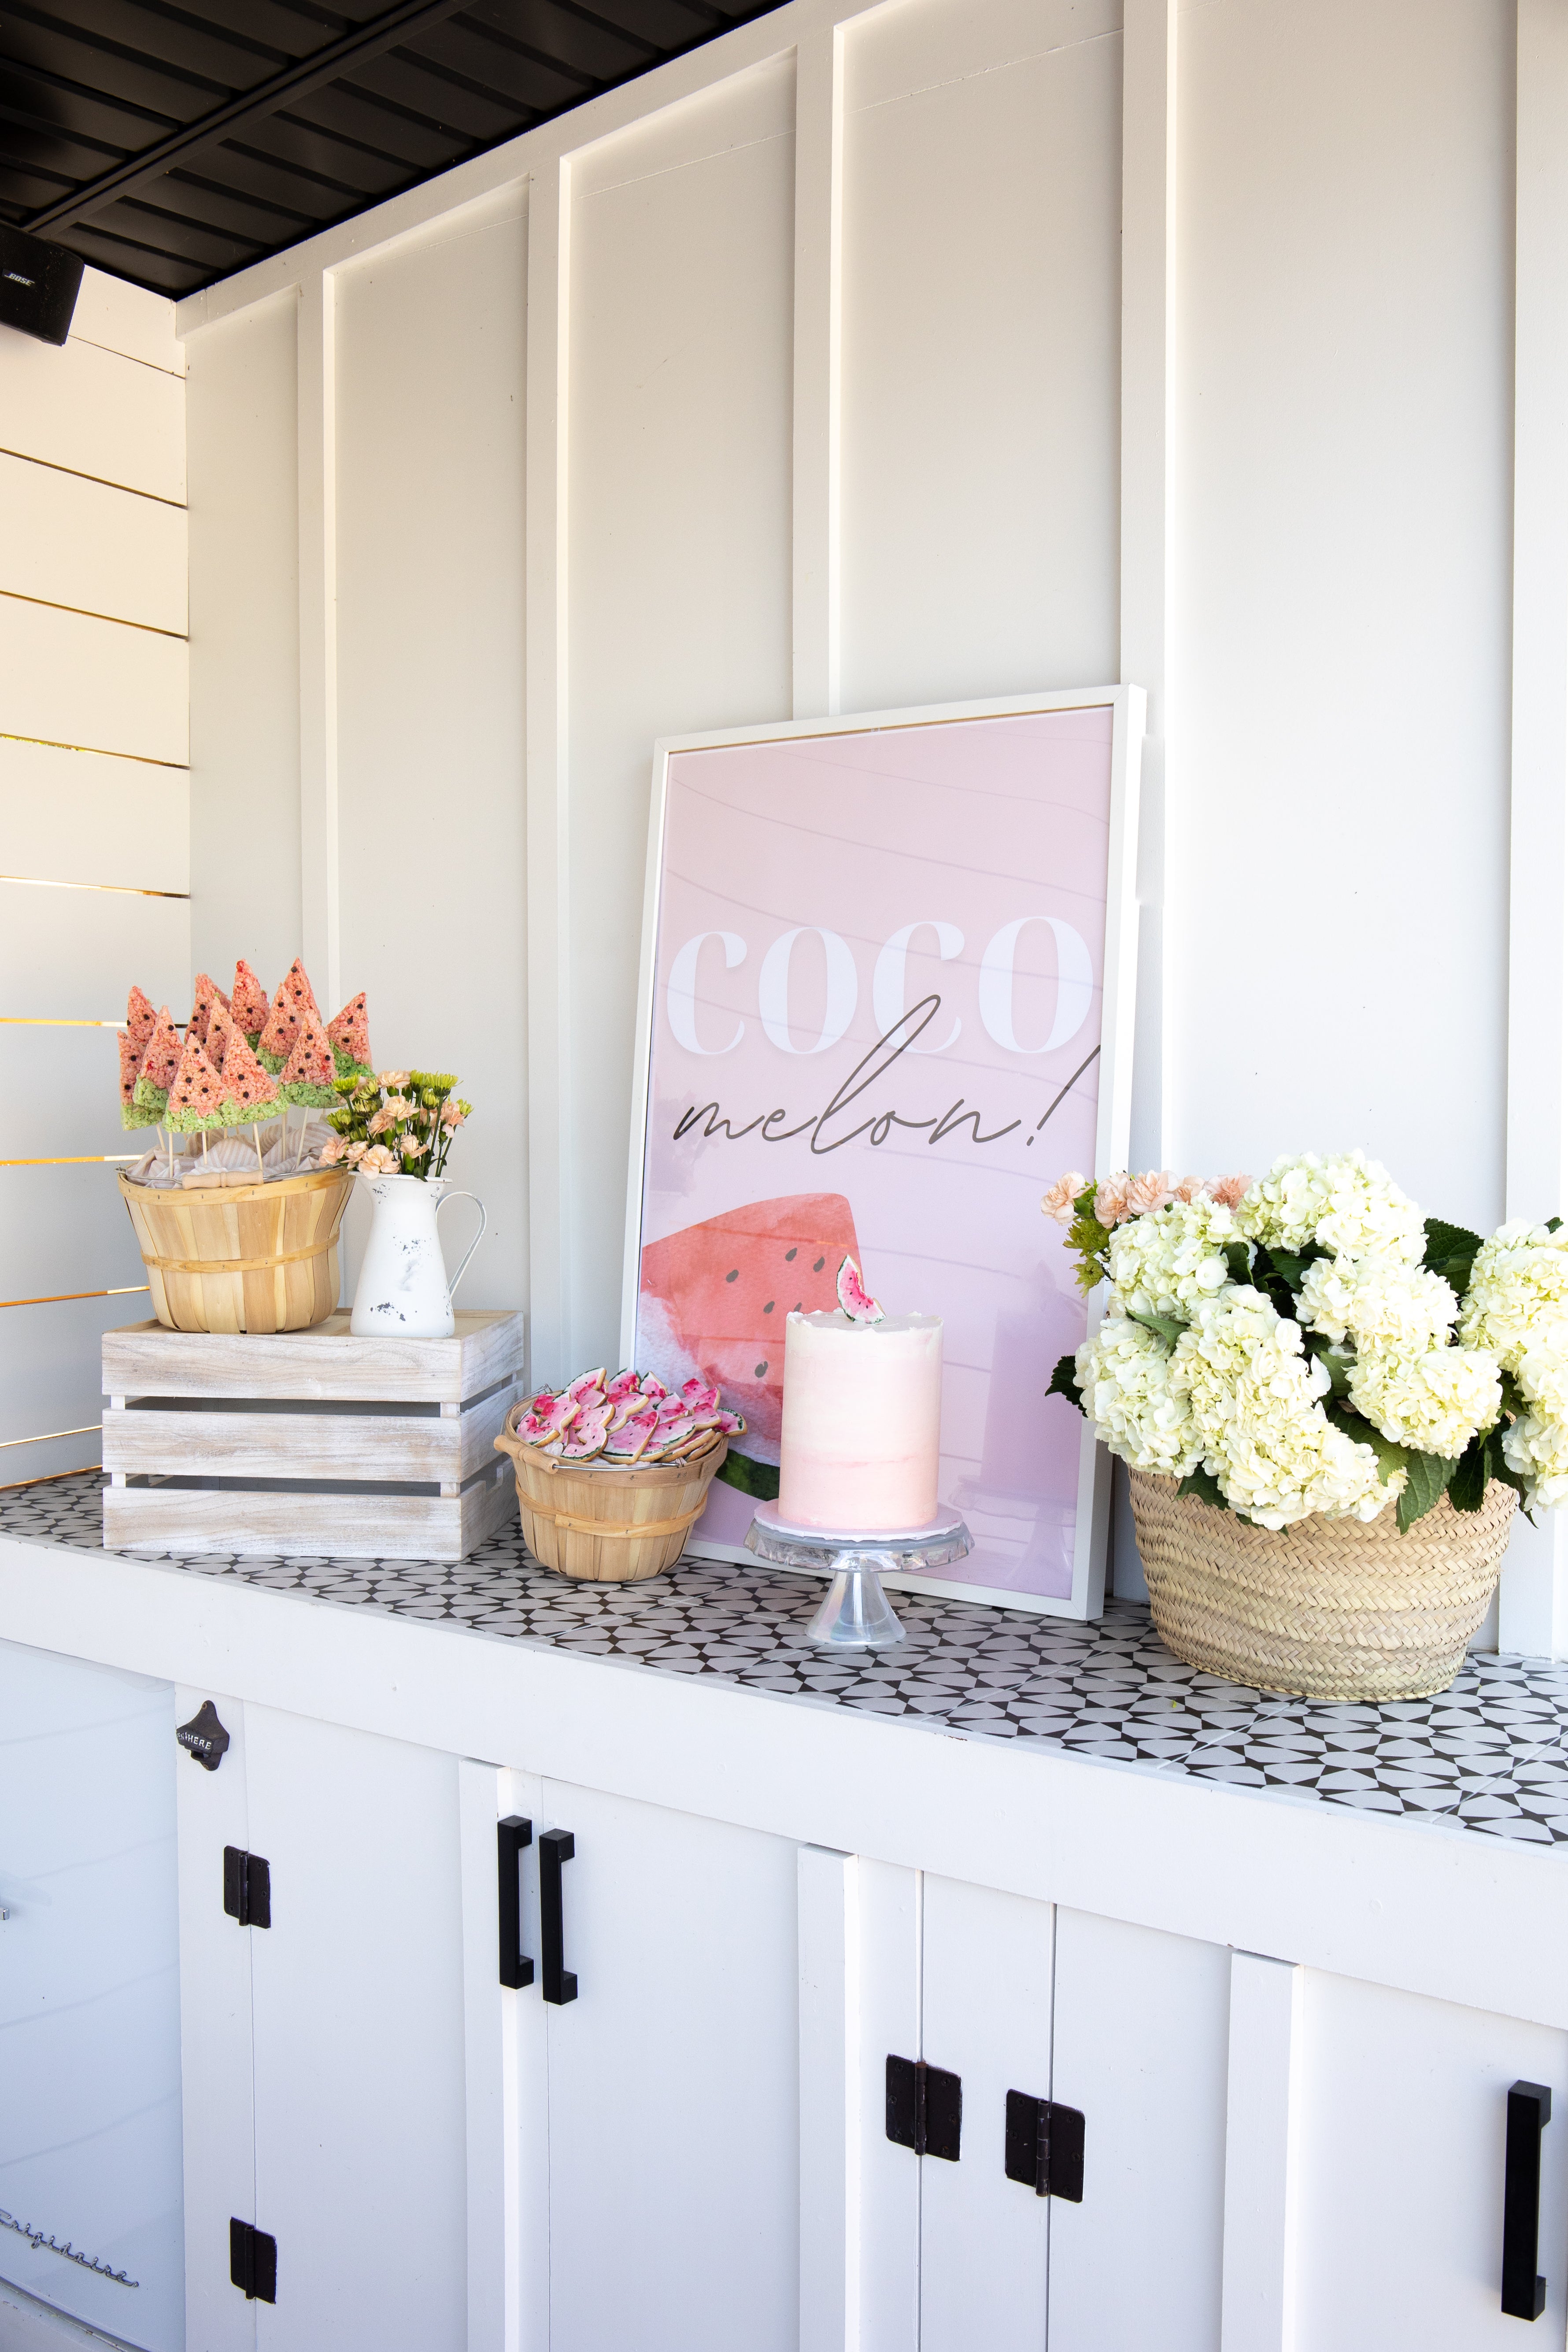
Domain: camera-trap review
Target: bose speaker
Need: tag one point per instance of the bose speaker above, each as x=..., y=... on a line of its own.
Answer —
x=39, y=286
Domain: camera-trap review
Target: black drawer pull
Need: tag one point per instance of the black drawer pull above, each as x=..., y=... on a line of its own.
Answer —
x=560, y=1986
x=512, y=1837
x=1529, y=2113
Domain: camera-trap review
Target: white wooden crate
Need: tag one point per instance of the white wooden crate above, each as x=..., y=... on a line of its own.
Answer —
x=308, y=1441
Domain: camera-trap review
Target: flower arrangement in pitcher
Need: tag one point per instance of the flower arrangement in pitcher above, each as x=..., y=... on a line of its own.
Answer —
x=1310, y=1343
x=396, y=1123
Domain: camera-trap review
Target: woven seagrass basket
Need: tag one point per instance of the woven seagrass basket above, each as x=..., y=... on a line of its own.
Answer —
x=252, y=1257
x=602, y=1525
x=1329, y=1609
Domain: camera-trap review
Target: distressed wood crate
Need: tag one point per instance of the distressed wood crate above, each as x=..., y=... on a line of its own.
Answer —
x=309, y=1442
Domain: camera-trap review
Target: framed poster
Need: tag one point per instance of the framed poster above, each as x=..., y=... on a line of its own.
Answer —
x=887, y=1000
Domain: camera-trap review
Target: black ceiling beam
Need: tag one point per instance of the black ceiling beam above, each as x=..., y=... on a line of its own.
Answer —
x=368, y=40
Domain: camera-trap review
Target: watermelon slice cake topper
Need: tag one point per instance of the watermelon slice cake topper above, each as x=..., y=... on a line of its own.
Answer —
x=248, y=1001
x=854, y=1297
x=713, y=1298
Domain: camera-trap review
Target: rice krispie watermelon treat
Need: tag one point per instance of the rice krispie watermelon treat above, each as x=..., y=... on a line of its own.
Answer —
x=248, y=1001
x=196, y=1098
x=132, y=1114
x=248, y=1089
x=140, y=1021
x=218, y=1031
x=349, y=1033
x=206, y=1001
x=159, y=1063
x=292, y=999
x=309, y=1076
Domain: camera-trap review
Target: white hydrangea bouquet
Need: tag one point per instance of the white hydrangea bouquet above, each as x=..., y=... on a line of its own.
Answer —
x=1310, y=1344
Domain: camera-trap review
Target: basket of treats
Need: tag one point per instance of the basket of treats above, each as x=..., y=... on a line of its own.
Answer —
x=612, y=1473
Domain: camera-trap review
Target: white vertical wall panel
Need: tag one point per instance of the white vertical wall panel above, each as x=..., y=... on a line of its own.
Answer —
x=678, y=547
x=1337, y=879
x=982, y=218
x=91, y=546
x=430, y=400
x=245, y=635
x=87, y=817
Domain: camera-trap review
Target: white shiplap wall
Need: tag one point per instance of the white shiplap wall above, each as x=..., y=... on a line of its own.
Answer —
x=882, y=353
x=94, y=827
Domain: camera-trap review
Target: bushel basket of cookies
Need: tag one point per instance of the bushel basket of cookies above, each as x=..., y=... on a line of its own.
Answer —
x=612, y=1472
x=237, y=1207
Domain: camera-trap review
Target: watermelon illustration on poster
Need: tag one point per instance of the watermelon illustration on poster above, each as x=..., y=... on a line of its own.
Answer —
x=878, y=1024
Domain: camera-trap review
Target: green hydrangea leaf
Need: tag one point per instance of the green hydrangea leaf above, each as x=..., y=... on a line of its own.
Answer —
x=1390, y=1456
x=1450, y=1251
x=1467, y=1487
x=1427, y=1474
x=1238, y=1261
x=1164, y=1327
x=1206, y=1487
x=1064, y=1382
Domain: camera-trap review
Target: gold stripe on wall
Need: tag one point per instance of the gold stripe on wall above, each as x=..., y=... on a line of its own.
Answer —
x=84, y=612
x=14, y=1486
x=92, y=1429
x=97, y=751
x=121, y=889
x=60, y=1297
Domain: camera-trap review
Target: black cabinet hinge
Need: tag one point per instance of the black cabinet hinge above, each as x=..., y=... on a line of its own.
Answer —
x=247, y=1887
x=203, y=1737
x=925, y=2108
x=1045, y=2146
x=253, y=2263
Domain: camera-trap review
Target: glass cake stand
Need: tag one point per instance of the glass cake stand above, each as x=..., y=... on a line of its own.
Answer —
x=856, y=1613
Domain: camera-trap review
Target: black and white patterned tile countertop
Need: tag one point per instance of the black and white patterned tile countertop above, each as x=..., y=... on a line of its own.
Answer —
x=1490, y=1756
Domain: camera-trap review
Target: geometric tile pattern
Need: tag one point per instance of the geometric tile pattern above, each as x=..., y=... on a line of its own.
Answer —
x=1490, y=1756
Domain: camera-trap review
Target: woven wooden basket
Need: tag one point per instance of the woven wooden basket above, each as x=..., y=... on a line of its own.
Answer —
x=607, y=1526
x=1329, y=1609
x=244, y=1257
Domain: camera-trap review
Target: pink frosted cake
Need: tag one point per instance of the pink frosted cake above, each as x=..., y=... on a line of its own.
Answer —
x=862, y=1415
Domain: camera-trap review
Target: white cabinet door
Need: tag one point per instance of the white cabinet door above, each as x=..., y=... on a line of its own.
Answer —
x=357, y=1990
x=89, y=2003
x=1139, y=2050
x=672, y=2090
x=986, y=1967
x=1399, y=2163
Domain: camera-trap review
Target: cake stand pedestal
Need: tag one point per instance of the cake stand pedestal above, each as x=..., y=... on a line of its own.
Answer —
x=856, y=1613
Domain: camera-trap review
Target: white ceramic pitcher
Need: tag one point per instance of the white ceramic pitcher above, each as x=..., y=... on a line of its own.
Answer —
x=402, y=1292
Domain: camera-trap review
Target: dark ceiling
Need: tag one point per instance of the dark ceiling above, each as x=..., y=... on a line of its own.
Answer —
x=172, y=146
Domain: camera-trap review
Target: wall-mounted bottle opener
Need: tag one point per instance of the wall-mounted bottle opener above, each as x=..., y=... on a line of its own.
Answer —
x=203, y=1737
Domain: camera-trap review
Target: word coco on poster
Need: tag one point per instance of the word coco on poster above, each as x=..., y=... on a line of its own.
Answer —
x=885, y=990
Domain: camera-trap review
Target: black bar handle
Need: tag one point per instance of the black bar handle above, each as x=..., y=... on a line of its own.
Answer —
x=556, y=1846
x=1529, y=2113
x=512, y=1837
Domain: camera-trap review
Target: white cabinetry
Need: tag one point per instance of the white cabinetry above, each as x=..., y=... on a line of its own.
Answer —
x=89, y=1995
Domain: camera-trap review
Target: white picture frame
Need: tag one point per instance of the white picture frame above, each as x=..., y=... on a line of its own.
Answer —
x=1126, y=704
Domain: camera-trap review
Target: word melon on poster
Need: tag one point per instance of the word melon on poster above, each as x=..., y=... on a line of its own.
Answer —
x=887, y=1000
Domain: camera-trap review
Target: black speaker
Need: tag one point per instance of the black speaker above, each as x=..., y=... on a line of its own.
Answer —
x=39, y=285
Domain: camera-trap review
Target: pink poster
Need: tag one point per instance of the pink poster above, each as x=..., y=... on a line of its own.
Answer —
x=883, y=1015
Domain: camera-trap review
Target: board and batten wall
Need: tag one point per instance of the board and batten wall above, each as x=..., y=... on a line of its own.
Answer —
x=876, y=355
x=94, y=830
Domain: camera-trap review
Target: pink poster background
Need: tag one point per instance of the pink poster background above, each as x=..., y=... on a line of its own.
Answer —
x=991, y=836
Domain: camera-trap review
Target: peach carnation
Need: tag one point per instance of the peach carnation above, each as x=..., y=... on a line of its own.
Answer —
x=379, y=1162
x=1190, y=1189
x=393, y=1079
x=1058, y=1200
x=1146, y=1194
x=1228, y=1189
x=1110, y=1201
x=330, y=1152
